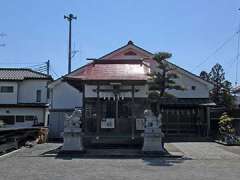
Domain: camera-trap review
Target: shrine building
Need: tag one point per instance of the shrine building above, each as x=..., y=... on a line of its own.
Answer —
x=112, y=92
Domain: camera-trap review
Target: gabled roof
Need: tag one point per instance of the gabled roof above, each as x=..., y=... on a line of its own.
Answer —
x=100, y=71
x=19, y=74
x=112, y=70
x=128, y=45
x=131, y=45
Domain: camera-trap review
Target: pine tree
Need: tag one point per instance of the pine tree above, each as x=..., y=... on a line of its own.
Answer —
x=205, y=76
x=163, y=78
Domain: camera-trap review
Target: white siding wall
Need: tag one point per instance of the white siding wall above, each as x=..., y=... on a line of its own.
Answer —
x=9, y=98
x=39, y=112
x=28, y=89
x=64, y=96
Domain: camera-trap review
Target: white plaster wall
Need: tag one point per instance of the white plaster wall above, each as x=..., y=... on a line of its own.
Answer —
x=39, y=112
x=143, y=91
x=186, y=82
x=140, y=94
x=28, y=89
x=89, y=91
x=64, y=96
x=237, y=99
x=9, y=98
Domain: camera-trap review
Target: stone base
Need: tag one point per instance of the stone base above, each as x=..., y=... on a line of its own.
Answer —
x=152, y=144
x=72, y=141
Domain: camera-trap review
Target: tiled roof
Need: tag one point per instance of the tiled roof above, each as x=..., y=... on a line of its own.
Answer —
x=112, y=70
x=21, y=74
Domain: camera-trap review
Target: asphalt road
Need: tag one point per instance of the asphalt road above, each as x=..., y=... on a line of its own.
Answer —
x=40, y=162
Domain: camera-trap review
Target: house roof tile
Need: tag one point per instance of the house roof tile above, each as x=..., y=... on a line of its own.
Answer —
x=21, y=74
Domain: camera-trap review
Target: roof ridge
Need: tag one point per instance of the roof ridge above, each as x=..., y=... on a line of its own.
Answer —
x=122, y=47
x=25, y=69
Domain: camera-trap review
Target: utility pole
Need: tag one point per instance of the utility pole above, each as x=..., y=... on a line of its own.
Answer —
x=70, y=17
x=48, y=66
x=238, y=51
x=2, y=35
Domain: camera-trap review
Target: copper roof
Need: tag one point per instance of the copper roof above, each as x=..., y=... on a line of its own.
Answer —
x=21, y=74
x=112, y=70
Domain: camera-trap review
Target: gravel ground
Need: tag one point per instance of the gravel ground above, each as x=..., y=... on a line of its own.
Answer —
x=200, y=162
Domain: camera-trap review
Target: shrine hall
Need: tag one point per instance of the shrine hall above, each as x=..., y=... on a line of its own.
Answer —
x=114, y=91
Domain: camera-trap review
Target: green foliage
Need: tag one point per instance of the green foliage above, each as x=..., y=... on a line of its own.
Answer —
x=225, y=125
x=205, y=76
x=221, y=92
x=164, y=77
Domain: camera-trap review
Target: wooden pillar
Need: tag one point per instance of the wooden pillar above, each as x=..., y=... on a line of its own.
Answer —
x=133, y=113
x=167, y=111
x=179, y=121
x=208, y=121
x=98, y=118
x=116, y=114
x=84, y=110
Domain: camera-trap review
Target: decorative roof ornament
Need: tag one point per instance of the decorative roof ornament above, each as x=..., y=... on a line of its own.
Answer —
x=130, y=42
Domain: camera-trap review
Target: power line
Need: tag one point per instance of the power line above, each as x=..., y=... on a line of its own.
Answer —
x=53, y=72
x=217, y=49
x=238, y=44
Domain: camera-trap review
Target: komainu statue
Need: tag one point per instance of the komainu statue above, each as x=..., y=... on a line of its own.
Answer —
x=152, y=133
x=73, y=121
x=72, y=135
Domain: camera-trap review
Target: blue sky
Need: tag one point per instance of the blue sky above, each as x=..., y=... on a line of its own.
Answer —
x=191, y=30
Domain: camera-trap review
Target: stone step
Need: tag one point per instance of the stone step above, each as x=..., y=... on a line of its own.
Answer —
x=118, y=153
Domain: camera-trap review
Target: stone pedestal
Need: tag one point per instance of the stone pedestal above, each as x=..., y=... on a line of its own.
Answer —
x=152, y=133
x=152, y=140
x=72, y=140
x=72, y=136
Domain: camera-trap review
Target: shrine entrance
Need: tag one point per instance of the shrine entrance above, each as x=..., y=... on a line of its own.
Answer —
x=114, y=114
x=115, y=117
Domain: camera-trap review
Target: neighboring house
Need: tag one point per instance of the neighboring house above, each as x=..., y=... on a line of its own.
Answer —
x=63, y=100
x=236, y=92
x=23, y=97
x=63, y=97
x=113, y=91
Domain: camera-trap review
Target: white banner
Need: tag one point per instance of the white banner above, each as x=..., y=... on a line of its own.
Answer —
x=107, y=123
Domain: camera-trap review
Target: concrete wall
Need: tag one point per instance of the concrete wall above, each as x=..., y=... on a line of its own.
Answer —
x=64, y=96
x=28, y=89
x=9, y=98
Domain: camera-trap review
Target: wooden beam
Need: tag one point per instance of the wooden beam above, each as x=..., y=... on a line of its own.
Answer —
x=133, y=113
x=111, y=90
x=208, y=121
x=116, y=115
x=84, y=110
x=98, y=111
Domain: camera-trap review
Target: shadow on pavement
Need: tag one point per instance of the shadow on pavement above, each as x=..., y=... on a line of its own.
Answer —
x=164, y=161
